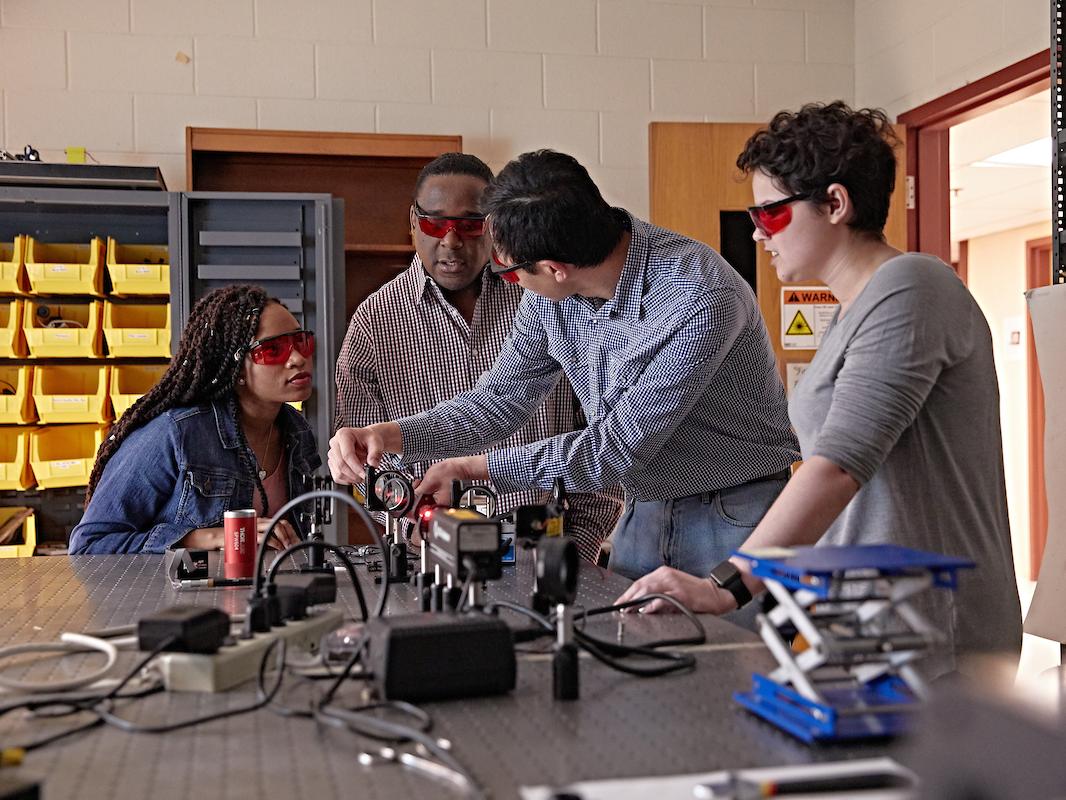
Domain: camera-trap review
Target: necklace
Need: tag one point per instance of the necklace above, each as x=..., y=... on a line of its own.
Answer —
x=266, y=456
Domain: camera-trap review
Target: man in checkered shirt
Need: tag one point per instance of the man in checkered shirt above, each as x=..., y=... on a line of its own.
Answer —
x=666, y=349
x=430, y=333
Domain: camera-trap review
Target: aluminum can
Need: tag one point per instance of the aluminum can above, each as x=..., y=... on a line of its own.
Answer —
x=239, y=560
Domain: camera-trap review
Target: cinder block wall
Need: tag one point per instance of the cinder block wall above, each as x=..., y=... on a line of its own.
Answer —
x=908, y=52
x=124, y=77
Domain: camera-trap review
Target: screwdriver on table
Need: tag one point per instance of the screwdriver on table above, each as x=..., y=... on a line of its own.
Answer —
x=736, y=788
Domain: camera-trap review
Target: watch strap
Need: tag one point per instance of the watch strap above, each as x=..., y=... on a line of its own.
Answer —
x=728, y=577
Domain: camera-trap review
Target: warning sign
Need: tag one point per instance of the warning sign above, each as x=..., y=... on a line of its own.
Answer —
x=806, y=312
x=799, y=326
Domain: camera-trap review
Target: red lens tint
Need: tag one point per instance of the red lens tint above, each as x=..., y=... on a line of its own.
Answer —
x=277, y=349
x=464, y=227
x=772, y=220
x=509, y=272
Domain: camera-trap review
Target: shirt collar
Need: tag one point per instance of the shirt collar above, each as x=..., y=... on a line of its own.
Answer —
x=289, y=427
x=421, y=286
x=628, y=296
x=225, y=424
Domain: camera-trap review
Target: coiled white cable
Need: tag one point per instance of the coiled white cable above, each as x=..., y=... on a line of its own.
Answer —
x=68, y=643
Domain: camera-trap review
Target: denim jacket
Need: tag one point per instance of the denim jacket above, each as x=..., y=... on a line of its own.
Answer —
x=179, y=472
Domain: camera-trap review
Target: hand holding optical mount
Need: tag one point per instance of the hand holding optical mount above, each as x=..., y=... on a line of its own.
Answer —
x=392, y=493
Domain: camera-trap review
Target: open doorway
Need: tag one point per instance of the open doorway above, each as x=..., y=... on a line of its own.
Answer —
x=1000, y=184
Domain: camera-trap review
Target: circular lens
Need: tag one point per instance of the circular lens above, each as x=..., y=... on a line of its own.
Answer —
x=395, y=492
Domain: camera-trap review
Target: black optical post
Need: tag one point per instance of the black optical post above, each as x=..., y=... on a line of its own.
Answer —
x=315, y=519
x=391, y=492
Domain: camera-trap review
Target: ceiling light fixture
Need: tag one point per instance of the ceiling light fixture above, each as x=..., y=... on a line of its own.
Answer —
x=1032, y=154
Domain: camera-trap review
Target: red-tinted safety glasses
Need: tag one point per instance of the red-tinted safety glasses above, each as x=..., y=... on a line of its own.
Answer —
x=276, y=350
x=774, y=217
x=438, y=227
x=509, y=272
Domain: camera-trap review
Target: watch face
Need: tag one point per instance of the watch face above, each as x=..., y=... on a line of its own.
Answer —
x=728, y=577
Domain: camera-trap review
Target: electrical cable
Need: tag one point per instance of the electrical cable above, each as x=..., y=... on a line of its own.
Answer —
x=307, y=545
x=89, y=703
x=699, y=638
x=122, y=724
x=303, y=498
x=353, y=659
x=678, y=661
x=68, y=643
x=611, y=653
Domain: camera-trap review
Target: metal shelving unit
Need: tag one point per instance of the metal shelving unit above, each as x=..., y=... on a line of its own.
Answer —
x=291, y=244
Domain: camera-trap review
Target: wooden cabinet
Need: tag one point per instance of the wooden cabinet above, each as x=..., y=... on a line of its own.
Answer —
x=374, y=173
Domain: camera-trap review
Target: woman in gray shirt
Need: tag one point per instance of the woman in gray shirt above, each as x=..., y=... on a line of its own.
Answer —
x=898, y=413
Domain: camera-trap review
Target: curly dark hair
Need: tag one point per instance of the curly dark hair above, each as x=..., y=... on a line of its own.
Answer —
x=204, y=369
x=544, y=205
x=809, y=149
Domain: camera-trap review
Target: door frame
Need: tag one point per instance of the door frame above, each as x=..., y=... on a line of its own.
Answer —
x=928, y=165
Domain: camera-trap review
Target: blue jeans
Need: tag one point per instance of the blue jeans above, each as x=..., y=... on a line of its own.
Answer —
x=693, y=534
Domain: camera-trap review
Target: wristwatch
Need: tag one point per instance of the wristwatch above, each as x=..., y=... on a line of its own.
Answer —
x=727, y=576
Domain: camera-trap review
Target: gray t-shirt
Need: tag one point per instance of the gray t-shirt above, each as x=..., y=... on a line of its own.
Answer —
x=902, y=394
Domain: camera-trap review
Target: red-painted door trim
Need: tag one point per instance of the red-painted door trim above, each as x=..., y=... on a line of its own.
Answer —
x=928, y=225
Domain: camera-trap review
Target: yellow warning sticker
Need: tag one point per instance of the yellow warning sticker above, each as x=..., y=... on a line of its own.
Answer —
x=799, y=326
x=807, y=312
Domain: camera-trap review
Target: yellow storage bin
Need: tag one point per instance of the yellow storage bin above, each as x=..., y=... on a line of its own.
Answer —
x=15, y=472
x=63, y=455
x=16, y=395
x=72, y=393
x=137, y=269
x=63, y=330
x=22, y=544
x=140, y=331
x=65, y=268
x=12, y=340
x=130, y=381
x=13, y=267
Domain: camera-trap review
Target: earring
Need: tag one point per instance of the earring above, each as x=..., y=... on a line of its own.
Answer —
x=241, y=381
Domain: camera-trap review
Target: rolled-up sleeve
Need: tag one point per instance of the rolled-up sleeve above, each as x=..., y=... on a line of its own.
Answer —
x=890, y=366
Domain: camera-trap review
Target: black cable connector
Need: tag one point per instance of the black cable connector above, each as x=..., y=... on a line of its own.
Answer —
x=183, y=629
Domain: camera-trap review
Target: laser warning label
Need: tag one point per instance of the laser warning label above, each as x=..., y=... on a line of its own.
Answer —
x=806, y=312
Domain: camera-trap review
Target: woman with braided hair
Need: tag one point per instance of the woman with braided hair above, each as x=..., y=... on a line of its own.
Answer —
x=214, y=434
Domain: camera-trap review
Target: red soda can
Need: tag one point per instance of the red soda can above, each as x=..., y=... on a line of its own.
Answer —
x=240, y=528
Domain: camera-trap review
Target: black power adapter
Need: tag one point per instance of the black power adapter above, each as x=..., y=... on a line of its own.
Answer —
x=183, y=629
x=425, y=657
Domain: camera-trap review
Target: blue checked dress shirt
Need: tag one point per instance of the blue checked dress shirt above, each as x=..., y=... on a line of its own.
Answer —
x=675, y=373
x=407, y=349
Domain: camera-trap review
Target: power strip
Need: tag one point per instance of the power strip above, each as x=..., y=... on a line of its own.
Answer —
x=234, y=664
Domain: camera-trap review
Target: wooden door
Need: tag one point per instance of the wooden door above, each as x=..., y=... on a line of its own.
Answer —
x=694, y=179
